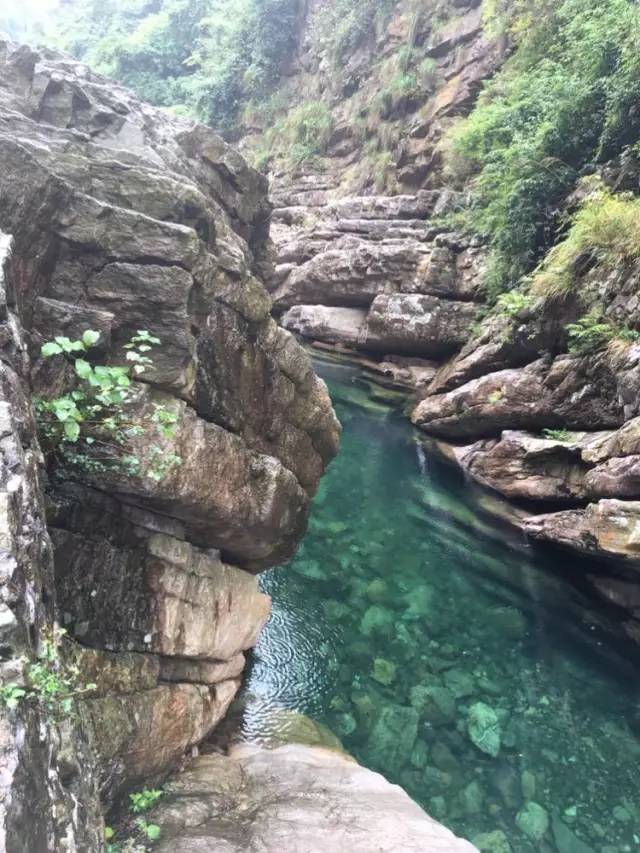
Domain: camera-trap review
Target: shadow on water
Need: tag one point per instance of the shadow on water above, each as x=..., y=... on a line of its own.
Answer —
x=448, y=654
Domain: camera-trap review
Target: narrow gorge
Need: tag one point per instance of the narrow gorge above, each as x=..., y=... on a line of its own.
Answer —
x=321, y=426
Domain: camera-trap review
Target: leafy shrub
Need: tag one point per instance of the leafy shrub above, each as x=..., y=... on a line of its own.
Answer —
x=605, y=228
x=142, y=801
x=589, y=334
x=557, y=434
x=301, y=135
x=513, y=303
x=209, y=56
x=50, y=682
x=564, y=98
x=88, y=428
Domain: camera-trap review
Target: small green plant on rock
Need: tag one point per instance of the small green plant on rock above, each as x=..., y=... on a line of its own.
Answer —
x=11, y=694
x=513, y=302
x=52, y=683
x=89, y=428
x=142, y=801
x=150, y=830
x=557, y=434
x=589, y=334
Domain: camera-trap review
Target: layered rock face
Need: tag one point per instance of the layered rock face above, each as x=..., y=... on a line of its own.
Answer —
x=115, y=217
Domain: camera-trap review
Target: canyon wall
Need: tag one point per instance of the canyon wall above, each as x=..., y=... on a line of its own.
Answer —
x=369, y=260
x=116, y=217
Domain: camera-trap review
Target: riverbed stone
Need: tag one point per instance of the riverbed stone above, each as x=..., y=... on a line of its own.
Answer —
x=436, y=705
x=528, y=784
x=377, y=621
x=492, y=842
x=392, y=738
x=443, y=758
x=566, y=840
x=461, y=683
x=384, y=672
x=483, y=728
x=472, y=798
x=533, y=821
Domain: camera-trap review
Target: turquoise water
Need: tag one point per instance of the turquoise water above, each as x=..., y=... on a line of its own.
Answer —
x=448, y=655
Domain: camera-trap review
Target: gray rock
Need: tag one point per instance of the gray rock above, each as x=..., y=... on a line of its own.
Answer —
x=294, y=798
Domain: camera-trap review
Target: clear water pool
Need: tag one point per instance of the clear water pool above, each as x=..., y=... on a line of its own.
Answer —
x=447, y=654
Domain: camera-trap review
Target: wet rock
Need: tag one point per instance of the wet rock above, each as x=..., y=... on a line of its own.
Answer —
x=483, y=728
x=472, y=798
x=566, y=840
x=443, y=758
x=528, y=783
x=384, y=672
x=533, y=821
x=392, y=737
x=436, y=705
x=419, y=755
x=492, y=842
x=378, y=591
x=377, y=621
x=461, y=683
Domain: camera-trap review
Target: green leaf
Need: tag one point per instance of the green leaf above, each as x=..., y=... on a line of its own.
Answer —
x=50, y=349
x=90, y=337
x=64, y=343
x=72, y=430
x=153, y=831
x=83, y=368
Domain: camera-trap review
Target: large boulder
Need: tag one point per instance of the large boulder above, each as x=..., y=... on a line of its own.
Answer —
x=301, y=799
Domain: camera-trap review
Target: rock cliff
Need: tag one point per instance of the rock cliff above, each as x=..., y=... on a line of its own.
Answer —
x=116, y=217
x=368, y=261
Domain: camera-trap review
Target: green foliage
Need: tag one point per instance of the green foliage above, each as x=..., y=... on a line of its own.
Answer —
x=208, y=57
x=11, y=694
x=513, y=303
x=142, y=801
x=344, y=25
x=50, y=682
x=557, y=434
x=301, y=135
x=605, y=229
x=589, y=334
x=149, y=830
x=564, y=98
x=88, y=428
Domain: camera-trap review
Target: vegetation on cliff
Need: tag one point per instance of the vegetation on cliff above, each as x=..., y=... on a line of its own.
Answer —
x=203, y=57
x=564, y=101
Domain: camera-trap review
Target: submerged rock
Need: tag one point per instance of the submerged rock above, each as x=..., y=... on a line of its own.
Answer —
x=533, y=821
x=492, y=842
x=566, y=840
x=436, y=705
x=483, y=728
x=384, y=672
x=392, y=738
x=377, y=621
